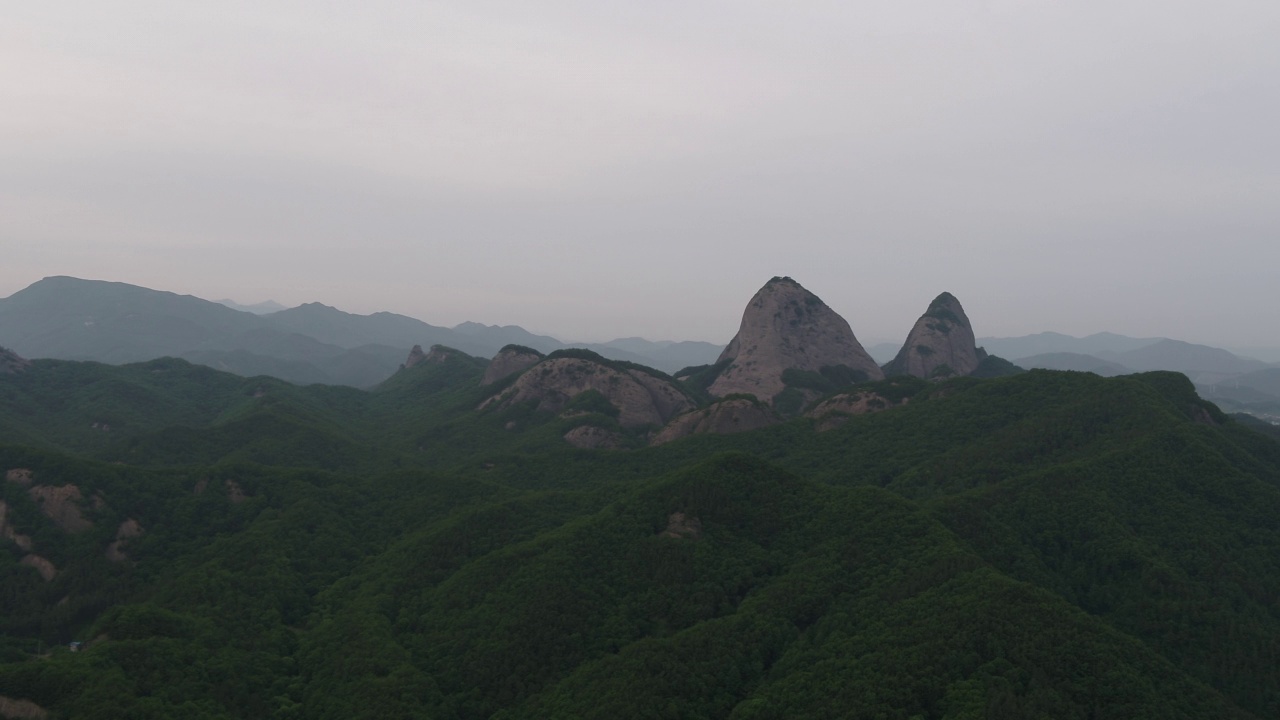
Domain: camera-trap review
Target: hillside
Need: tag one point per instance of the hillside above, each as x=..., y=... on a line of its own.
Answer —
x=1048, y=543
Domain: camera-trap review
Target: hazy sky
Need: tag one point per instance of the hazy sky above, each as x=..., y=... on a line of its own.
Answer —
x=595, y=169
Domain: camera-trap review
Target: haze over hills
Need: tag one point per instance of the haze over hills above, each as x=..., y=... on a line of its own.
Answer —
x=69, y=318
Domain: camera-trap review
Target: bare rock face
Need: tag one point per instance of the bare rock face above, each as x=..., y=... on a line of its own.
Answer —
x=416, y=355
x=836, y=410
x=128, y=529
x=7, y=532
x=509, y=360
x=641, y=399
x=62, y=505
x=940, y=345
x=721, y=418
x=20, y=476
x=47, y=569
x=11, y=363
x=590, y=437
x=23, y=709
x=787, y=327
x=682, y=527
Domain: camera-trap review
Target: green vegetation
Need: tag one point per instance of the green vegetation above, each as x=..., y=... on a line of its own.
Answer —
x=1044, y=544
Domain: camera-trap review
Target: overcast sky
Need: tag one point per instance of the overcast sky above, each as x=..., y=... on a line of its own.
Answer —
x=597, y=169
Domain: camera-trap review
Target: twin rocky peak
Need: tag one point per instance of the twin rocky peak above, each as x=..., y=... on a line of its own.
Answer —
x=787, y=330
x=790, y=350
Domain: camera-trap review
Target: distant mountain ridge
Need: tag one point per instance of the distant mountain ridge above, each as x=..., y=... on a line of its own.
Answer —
x=73, y=319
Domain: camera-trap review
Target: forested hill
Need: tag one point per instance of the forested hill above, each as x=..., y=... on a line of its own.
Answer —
x=1049, y=544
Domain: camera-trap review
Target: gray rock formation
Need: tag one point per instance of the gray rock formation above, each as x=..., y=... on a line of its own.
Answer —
x=722, y=418
x=640, y=398
x=787, y=327
x=509, y=360
x=940, y=345
x=836, y=410
x=11, y=363
x=416, y=355
x=590, y=437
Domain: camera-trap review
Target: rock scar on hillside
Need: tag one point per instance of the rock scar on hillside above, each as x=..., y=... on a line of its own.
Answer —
x=61, y=505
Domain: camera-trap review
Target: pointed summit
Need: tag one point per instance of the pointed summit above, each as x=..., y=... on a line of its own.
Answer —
x=786, y=327
x=940, y=345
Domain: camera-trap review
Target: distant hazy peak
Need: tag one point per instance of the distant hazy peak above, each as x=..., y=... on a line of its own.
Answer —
x=265, y=307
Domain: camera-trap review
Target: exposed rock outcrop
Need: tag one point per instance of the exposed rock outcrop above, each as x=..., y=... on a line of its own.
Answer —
x=416, y=355
x=62, y=506
x=836, y=410
x=787, y=327
x=509, y=360
x=721, y=418
x=21, y=476
x=12, y=363
x=21, y=709
x=47, y=569
x=128, y=529
x=940, y=345
x=682, y=527
x=640, y=398
x=590, y=437
x=7, y=532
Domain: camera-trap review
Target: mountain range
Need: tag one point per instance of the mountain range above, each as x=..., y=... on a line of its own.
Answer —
x=788, y=530
x=69, y=318
x=74, y=319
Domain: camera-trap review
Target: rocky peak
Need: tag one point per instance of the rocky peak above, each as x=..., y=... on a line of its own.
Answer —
x=416, y=355
x=11, y=363
x=786, y=327
x=509, y=360
x=940, y=345
x=639, y=397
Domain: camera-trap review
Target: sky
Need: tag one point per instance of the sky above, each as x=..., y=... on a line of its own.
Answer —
x=600, y=169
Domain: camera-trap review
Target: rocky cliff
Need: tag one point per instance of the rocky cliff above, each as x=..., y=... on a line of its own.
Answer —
x=640, y=398
x=509, y=360
x=940, y=345
x=786, y=327
x=11, y=362
x=721, y=418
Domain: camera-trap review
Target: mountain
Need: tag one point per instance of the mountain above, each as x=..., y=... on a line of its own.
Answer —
x=787, y=328
x=940, y=344
x=76, y=319
x=69, y=318
x=263, y=308
x=1073, y=361
x=1052, y=342
x=665, y=355
x=1200, y=362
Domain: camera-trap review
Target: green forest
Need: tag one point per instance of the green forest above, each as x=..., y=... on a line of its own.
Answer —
x=179, y=542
